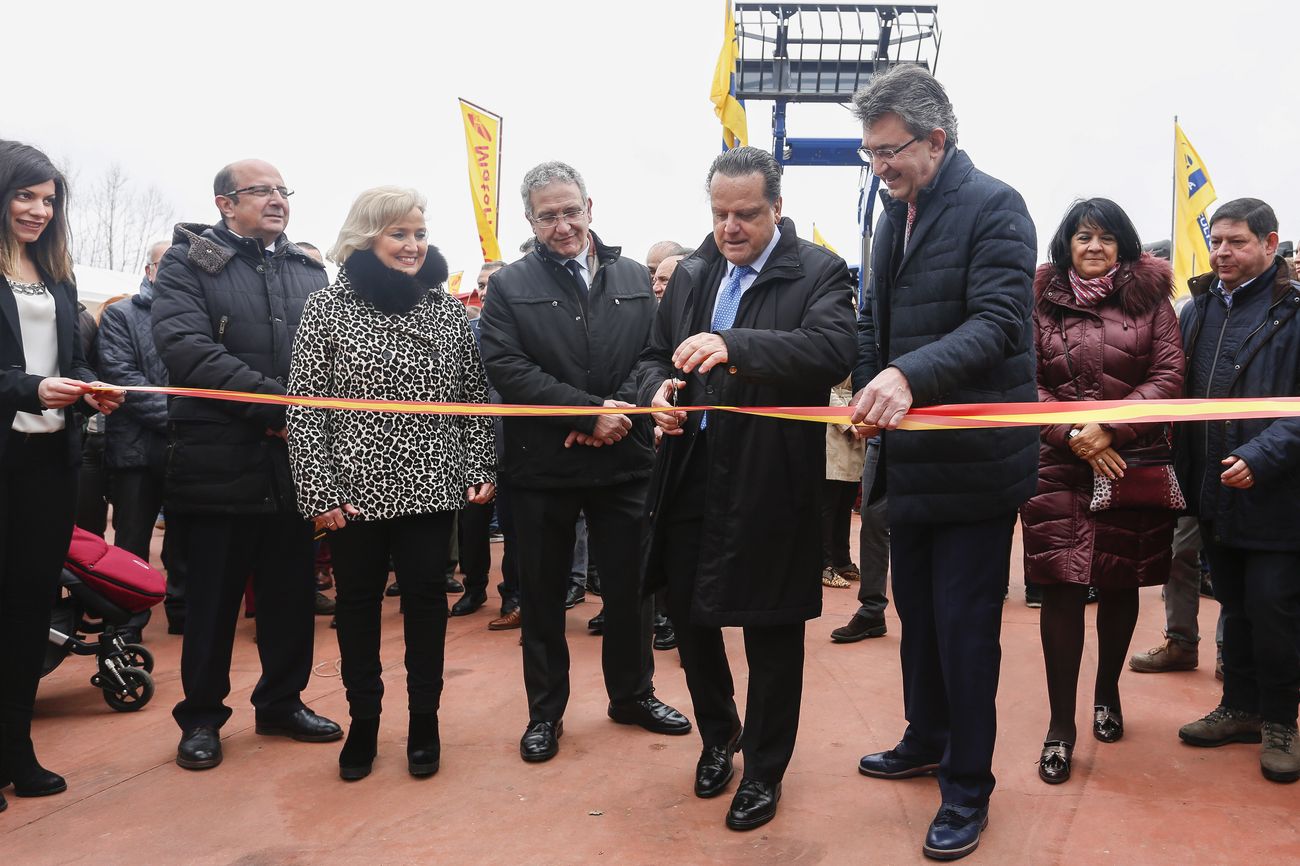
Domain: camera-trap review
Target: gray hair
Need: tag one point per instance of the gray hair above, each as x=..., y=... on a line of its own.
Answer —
x=913, y=94
x=546, y=174
x=740, y=161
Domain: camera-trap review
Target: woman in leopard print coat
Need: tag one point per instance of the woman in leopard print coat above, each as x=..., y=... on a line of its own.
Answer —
x=388, y=485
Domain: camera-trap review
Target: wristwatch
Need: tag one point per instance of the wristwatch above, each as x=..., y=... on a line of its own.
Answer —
x=1074, y=432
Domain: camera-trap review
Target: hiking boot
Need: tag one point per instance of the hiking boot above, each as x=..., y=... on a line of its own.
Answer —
x=1172, y=655
x=1278, y=759
x=1222, y=726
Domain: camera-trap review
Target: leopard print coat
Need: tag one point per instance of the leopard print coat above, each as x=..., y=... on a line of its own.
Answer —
x=387, y=465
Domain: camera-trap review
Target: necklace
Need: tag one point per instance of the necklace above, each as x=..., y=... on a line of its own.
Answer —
x=36, y=288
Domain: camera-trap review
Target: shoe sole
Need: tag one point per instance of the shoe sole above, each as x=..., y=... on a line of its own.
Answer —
x=354, y=774
x=537, y=758
x=59, y=789
x=742, y=826
x=1203, y=743
x=502, y=627
x=879, y=631
x=462, y=612
x=1163, y=669
x=421, y=771
x=1285, y=778
x=272, y=731
x=954, y=853
x=189, y=764
x=922, y=770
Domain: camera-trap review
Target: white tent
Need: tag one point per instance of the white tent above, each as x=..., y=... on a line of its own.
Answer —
x=96, y=285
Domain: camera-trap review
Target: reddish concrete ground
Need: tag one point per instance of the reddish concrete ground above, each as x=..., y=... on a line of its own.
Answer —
x=618, y=794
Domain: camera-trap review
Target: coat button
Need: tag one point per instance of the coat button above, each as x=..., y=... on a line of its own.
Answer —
x=708, y=390
x=555, y=303
x=1236, y=366
x=261, y=269
x=387, y=355
x=731, y=370
x=616, y=302
x=577, y=318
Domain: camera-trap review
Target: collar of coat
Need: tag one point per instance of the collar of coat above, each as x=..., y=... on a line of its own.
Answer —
x=389, y=290
x=784, y=261
x=952, y=171
x=1140, y=286
x=211, y=247
x=1282, y=282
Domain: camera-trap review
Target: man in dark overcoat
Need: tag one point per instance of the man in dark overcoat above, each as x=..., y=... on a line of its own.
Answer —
x=755, y=317
x=950, y=322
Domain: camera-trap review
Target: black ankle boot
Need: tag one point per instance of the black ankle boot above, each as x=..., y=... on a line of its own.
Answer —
x=18, y=764
x=358, y=754
x=423, y=748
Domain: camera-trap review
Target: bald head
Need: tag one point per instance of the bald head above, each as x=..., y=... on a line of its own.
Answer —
x=660, y=251
x=251, y=197
x=662, y=274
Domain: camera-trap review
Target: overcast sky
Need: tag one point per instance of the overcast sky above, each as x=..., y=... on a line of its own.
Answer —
x=1059, y=100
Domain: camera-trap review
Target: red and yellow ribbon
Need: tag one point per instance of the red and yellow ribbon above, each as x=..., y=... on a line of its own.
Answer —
x=947, y=417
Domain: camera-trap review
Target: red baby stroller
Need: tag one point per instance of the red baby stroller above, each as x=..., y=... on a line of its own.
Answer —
x=107, y=583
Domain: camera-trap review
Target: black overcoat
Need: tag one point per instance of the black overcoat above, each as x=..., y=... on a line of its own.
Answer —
x=792, y=341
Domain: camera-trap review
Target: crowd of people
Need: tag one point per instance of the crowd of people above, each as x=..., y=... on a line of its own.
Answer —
x=697, y=521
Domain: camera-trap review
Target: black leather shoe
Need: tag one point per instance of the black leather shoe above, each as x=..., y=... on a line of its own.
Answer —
x=200, y=749
x=596, y=625
x=665, y=636
x=892, y=765
x=468, y=603
x=4, y=804
x=393, y=589
x=1107, y=724
x=1054, y=763
x=651, y=714
x=575, y=596
x=541, y=741
x=955, y=831
x=358, y=755
x=714, y=769
x=36, y=782
x=454, y=586
x=303, y=726
x=754, y=804
x=859, y=628
x=423, y=746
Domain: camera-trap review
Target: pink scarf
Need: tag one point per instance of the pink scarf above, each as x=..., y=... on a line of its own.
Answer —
x=1094, y=291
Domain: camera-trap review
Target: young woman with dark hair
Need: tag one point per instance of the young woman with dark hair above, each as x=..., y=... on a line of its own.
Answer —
x=43, y=376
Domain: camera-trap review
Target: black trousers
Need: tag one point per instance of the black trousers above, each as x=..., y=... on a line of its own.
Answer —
x=92, y=486
x=222, y=551
x=509, y=586
x=475, y=545
x=544, y=521
x=775, y=654
x=1260, y=594
x=38, y=494
x=837, y=515
x=417, y=545
x=948, y=584
x=137, y=495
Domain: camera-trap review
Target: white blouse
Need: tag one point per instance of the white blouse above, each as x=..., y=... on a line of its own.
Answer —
x=36, y=317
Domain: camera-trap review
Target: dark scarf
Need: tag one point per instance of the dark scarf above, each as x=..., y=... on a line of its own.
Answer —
x=392, y=291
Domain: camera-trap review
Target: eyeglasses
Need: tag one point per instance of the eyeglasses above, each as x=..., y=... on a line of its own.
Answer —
x=260, y=191
x=884, y=154
x=550, y=220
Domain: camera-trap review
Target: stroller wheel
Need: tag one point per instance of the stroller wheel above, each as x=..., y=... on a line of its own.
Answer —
x=137, y=656
x=134, y=694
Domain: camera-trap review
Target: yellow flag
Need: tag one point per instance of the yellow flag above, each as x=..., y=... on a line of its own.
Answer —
x=730, y=110
x=1193, y=193
x=453, y=282
x=483, y=144
x=820, y=240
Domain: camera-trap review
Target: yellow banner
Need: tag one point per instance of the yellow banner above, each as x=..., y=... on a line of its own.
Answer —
x=483, y=145
x=722, y=91
x=1193, y=193
x=453, y=282
x=820, y=240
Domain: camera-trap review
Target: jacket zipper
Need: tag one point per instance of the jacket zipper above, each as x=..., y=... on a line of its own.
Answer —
x=1209, y=383
x=221, y=329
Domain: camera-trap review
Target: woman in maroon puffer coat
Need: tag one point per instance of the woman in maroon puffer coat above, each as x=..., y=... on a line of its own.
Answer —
x=1104, y=330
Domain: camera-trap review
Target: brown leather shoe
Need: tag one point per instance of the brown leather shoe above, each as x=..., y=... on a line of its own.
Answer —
x=1172, y=655
x=504, y=623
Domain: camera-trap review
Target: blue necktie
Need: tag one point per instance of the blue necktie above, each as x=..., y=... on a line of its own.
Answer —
x=576, y=269
x=724, y=314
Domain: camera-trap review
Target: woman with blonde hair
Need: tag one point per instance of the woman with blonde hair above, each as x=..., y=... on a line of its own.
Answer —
x=387, y=485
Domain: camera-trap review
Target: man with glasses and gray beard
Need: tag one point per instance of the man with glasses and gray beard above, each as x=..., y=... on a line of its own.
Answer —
x=563, y=326
x=229, y=300
x=949, y=322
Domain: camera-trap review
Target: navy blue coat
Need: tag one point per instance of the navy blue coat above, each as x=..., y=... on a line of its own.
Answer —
x=1252, y=352
x=954, y=314
x=136, y=434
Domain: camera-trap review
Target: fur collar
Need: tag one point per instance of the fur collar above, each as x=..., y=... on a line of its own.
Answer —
x=1141, y=286
x=392, y=291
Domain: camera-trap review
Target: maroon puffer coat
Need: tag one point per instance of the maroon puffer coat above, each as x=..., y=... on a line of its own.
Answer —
x=1126, y=348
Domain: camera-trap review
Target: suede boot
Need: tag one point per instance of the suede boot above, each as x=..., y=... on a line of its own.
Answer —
x=358, y=755
x=423, y=748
